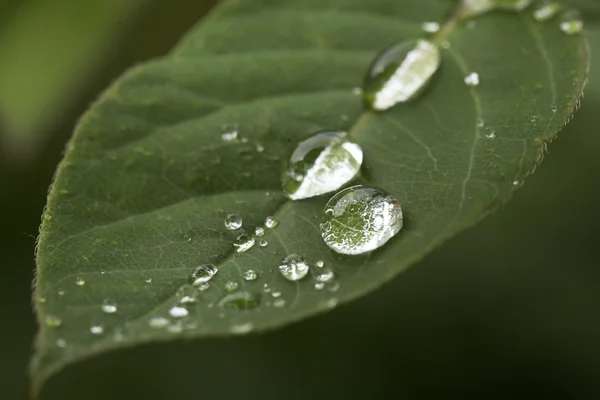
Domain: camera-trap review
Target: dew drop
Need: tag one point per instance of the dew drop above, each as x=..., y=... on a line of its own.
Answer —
x=554, y=108
x=472, y=79
x=79, y=281
x=293, y=267
x=319, y=285
x=158, y=322
x=203, y=274
x=332, y=303
x=546, y=11
x=240, y=300
x=259, y=231
x=231, y=286
x=324, y=274
x=571, y=23
x=259, y=148
x=250, y=275
x=321, y=164
x=490, y=133
x=62, y=343
x=399, y=73
x=242, y=329
x=230, y=132
x=178, y=312
x=233, y=222
x=276, y=294
x=204, y=286
x=109, y=307
x=53, y=321
x=480, y=123
x=516, y=182
x=471, y=8
x=263, y=243
x=60, y=292
x=430, y=27
x=278, y=303
x=97, y=329
x=271, y=222
x=360, y=219
x=244, y=242
x=187, y=300
x=149, y=280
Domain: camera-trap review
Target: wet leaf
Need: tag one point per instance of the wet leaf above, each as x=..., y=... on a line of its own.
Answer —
x=141, y=198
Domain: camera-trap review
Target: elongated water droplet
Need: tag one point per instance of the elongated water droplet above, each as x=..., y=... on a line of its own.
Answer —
x=471, y=8
x=97, y=329
x=400, y=73
x=547, y=10
x=53, y=321
x=271, y=222
x=203, y=274
x=80, y=281
x=109, y=307
x=293, y=267
x=250, y=275
x=242, y=329
x=231, y=286
x=158, y=322
x=321, y=164
x=178, y=312
x=187, y=299
x=233, y=222
x=240, y=300
x=259, y=231
x=472, y=79
x=571, y=23
x=430, y=27
x=244, y=242
x=360, y=219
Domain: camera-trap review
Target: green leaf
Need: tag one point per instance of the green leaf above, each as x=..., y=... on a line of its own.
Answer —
x=146, y=182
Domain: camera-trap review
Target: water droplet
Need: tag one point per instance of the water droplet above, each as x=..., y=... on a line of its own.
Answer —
x=323, y=274
x=490, y=133
x=41, y=300
x=516, y=182
x=97, y=329
x=53, y=321
x=263, y=243
x=259, y=148
x=231, y=286
x=333, y=286
x=158, y=322
x=187, y=300
x=276, y=294
x=331, y=303
x=178, y=312
x=546, y=11
x=242, y=329
x=480, y=123
x=233, y=222
x=250, y=275
x=400, y=73
x=47, y=217
x=554, y=108
x=472, y=79
x=149, y=280
x=109, y=307
x=271, y=222
x=321, y=164
x=357, y=91
x=240, y=300
x=230, y=132
x=79, y=281
x=360, y=219
x=266, y=288
x=175, y=328
x=293, y=267
x=61, y=292
x=471, y=8
x=319, y=285
x=203, y=274
x=279, y=303
x=259, y=231
x=244, y=242
x=62, y=343
x=430, y=27
x=571, y=23
x=203, y=287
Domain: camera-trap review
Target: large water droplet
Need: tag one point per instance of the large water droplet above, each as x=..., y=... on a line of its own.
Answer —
x=250, y=275
x=240, y=300
x=233, y=222
x=400, y=73
x=360, y=219
x=53, y=321
x=244, y=242
x=321, y=164
x=203, y=274
x=293, y=267
x=546, y=11
x=109, y=307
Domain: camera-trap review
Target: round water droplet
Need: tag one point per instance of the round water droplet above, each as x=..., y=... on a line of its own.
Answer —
x=250, y=275
x=554, y=108
x=231, y=286
x=472, y=79
x=240, y=300
x=480, y=123
x=360, y=219
x=244, y=242
x=278, y=303
x=331, y=303
x=230, y=132
x=109, y=307
x=271, y=222
x=320, y=264
x=319, y=285
x=203, y=287
x=187, y=300
x=263, y=243
x=324, y=274
x=203, y=274
x=571, y=26
x=60, y=292
x=399, y=73
x=178, y=312
x=53, y=321
x=260, y=148
x=241, y=329
x=293, y=267
x=80, y=281
x=62, y=343
x=490, y=133
x=259, y=231
x=158, y=322
x=321, y=164
x=430, y=27
x=233, y=222
x=547, y=10
x=276, y=294
x=97, y=329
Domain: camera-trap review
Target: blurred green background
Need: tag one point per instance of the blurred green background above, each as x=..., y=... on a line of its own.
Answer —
x=508, y=309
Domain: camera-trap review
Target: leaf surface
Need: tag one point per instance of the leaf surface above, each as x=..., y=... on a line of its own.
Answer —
x=146, y=182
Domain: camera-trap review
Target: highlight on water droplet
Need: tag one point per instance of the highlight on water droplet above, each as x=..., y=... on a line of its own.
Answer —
x=62, y=343
x=293, y=267
x=571, y=22
x=80, y=281
x=263, y=243
x=271, y=222
x=158, y=322
x=204, y=286
x=321, y=164
x=230, y=132
x=278, y=303
x=109, y=307
x=430, y=27
x=244, y=242
x=322, y=273
x=240, y=300
x=241, y=329
x=471, y=8
x=178, y=312
x=97, y=329
x=231, y=286
x=472, y=79
x=546, y=10
x=250, y=275
x=490, y=133
x=233, y=222
x=360, y=219
x=52, y=321
x=203, y=274
x=399, y=73
x=259, y=231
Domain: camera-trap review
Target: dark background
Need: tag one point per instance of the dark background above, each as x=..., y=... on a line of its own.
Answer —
x=507, y=309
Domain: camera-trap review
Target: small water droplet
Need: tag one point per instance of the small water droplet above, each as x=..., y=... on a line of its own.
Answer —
x=333, y=286
x=266, y=288
x=230, y=132
x=516, y=182
x=321, y=164
x=480, y=123
x=158, y=322
x=331, y=303
x=271, y=222
x=293, y=267
x=357, y=91
x=178, y=312
x=571, y=23
x=276, y=294
x=240, y=300
x=360, y=219
x=490, y=133
x=231, y=286
x=244, y=242
x=554, y=108
x=53, y=321
x=471, y=8
x=259, y=148
x=149, y=280
x=250, y=275
x=203, y=274
x=62, y=343
x=97, y=329
x=546, y=11
x=241, y=329
x=203, y=287
x=233, y=222
x=79, y=281
x=279, y=303
x=187, y=300
x=47, y=217
x=177, y=327
x=41, y=300
x=263, y=243
x=430, y=27
x=259, y=231
x=472, y=79
x=399, y=73
x=319, y=285
x=61, y=292
x=109, y=307
x=323, y=274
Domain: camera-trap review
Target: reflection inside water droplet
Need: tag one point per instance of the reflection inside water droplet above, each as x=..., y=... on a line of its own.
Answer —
x=97, y=329
x=203, y=274
x=233, y=222
x=293, y=267
x=244, y=242
x=271, y=222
